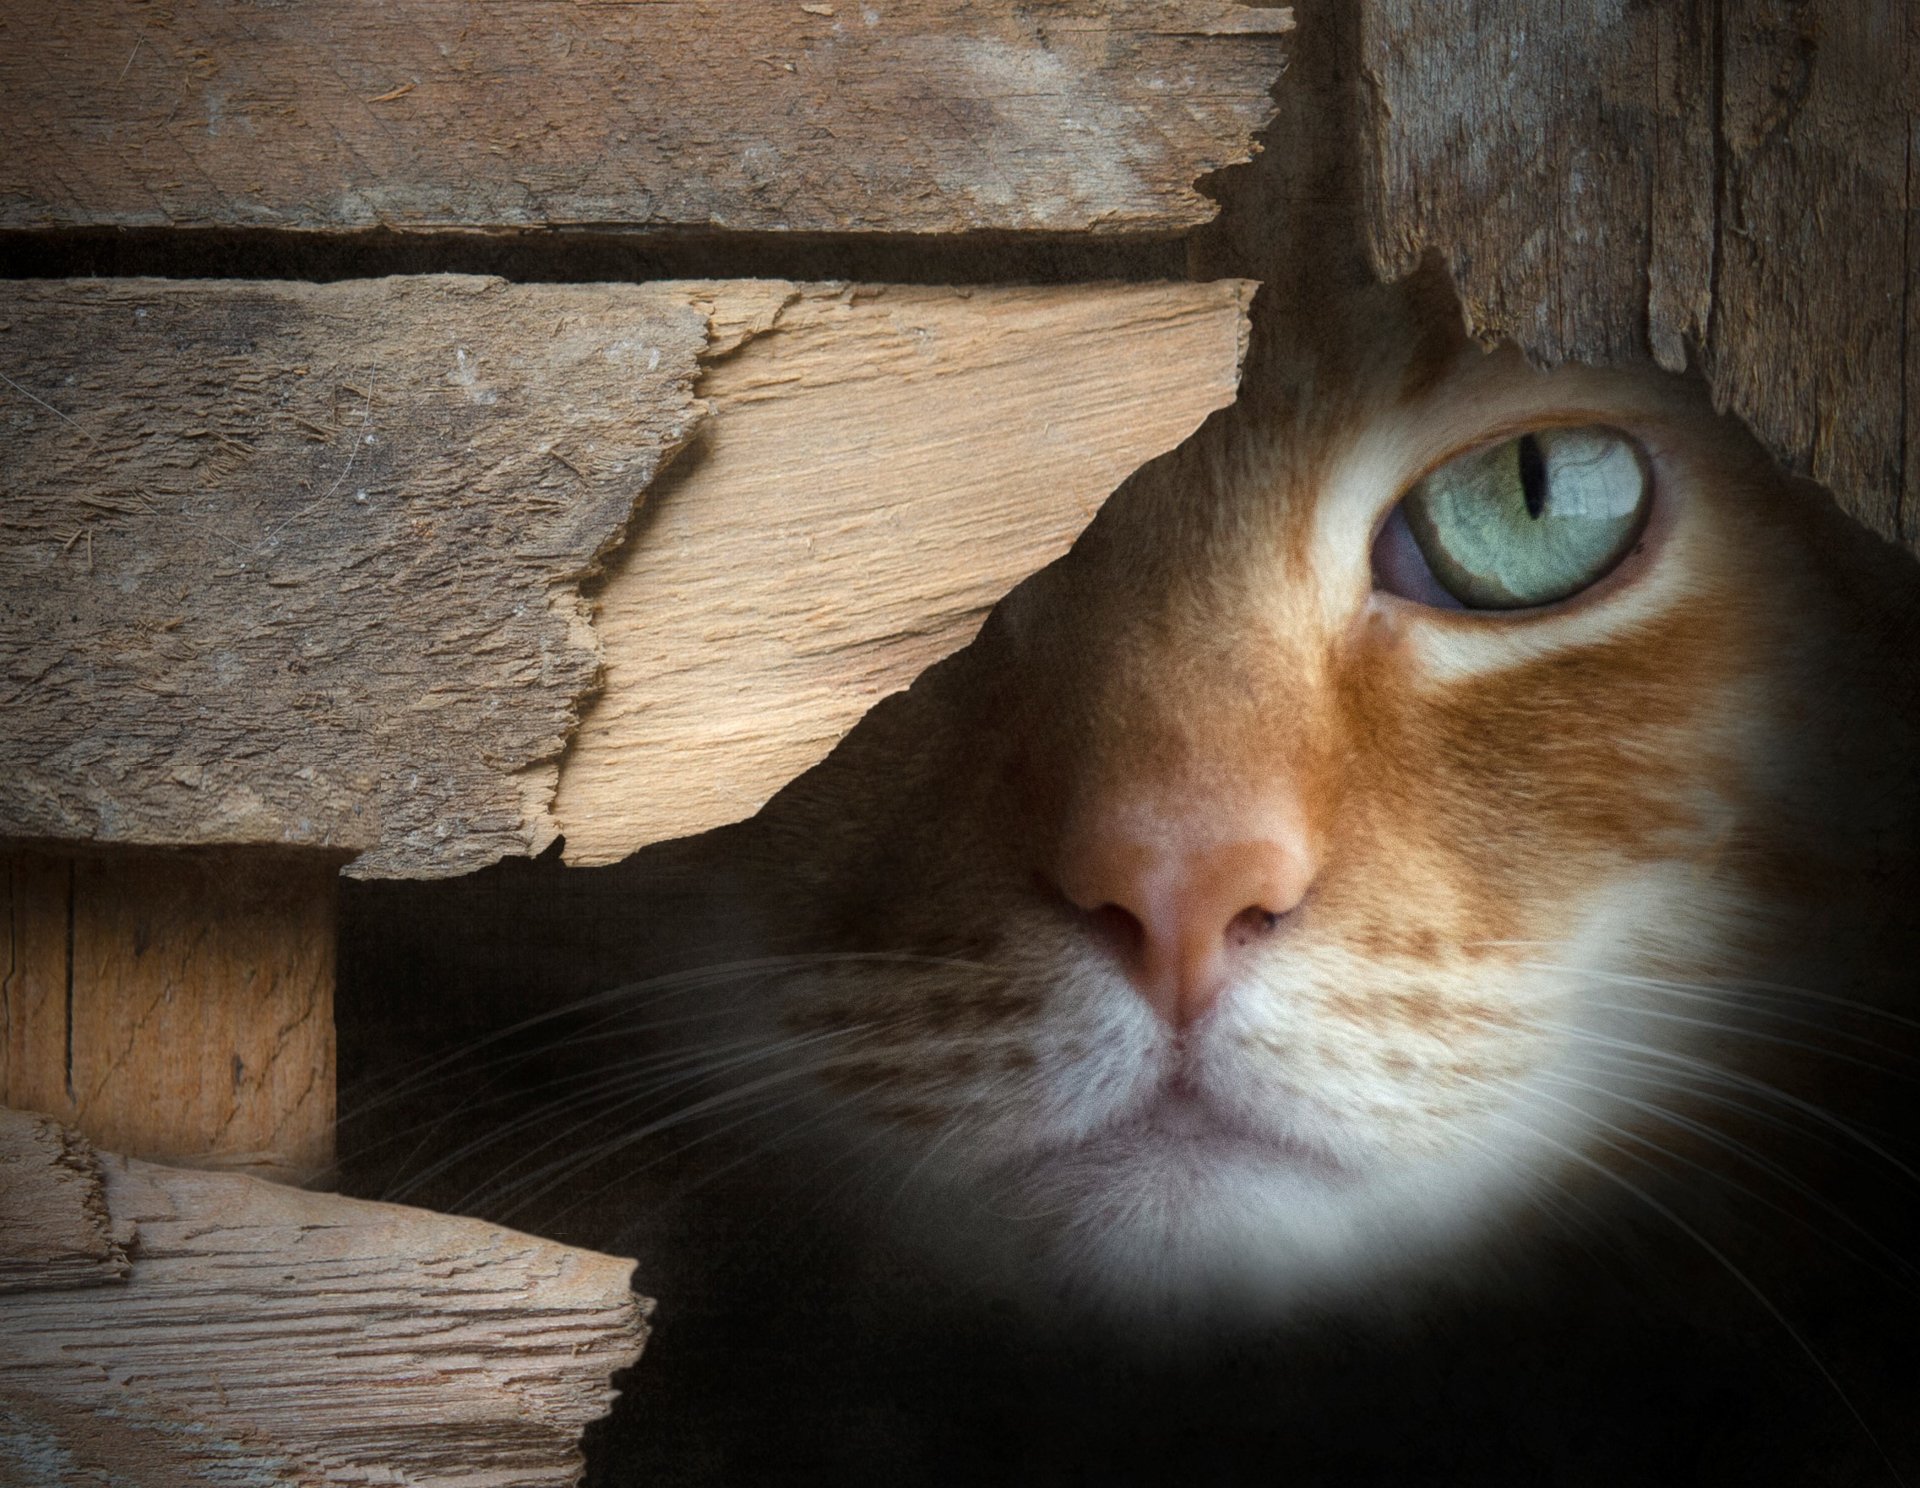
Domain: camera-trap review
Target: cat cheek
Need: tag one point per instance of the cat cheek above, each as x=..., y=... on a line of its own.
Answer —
x=1400, y=568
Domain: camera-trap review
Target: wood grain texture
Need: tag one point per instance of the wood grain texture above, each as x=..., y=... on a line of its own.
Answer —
x=55, y=1230
x=1725, y=185
x=264, y=1336
x=298, y=564
x=175, y=1005
x=882, y=465
x=1817, y=262
x=35, y=1000
x=905, y=116
x=301, y=565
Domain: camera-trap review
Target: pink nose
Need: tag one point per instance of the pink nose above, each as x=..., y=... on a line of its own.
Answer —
x=1178, y=914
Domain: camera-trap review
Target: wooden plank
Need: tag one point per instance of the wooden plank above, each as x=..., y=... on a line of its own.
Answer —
x=301, y=564
x=202, y=1008
x=297, y=564
x=1815, y=269
x=34, y=990
x=904, y=116
x=176, y=1005
x=880, y=469
x=267, y=1336
x=1727, y=186
x=1525, y=143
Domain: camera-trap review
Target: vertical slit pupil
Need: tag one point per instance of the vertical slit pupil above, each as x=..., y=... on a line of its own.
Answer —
x=1533, y=475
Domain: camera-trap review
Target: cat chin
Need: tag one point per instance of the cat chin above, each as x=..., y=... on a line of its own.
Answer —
x=1163, y=1234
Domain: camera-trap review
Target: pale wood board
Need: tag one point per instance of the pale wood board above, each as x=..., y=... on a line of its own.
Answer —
x=881, y=466
x=1728, y=186
x=207, y=635
x=174, y=1005
x=904, y=116
x=261, y=1335
x=298, y=564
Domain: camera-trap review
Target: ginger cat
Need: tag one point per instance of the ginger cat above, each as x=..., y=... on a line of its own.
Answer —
x=1440, y=792
x=1394, y=954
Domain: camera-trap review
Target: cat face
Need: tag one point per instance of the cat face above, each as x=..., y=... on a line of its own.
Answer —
x=1245, y=914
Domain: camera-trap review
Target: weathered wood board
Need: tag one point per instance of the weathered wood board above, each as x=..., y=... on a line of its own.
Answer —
x=297, y=564
x=903, y=116
x=164, y=1327
x=174, y=1005
x=301, y=565
x=1729, y=185
x=875, y=474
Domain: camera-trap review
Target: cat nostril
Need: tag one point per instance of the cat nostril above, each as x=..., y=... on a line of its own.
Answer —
x=1176, y=917
x=1120, y=928
x=1255, y=922
x=1116, y=926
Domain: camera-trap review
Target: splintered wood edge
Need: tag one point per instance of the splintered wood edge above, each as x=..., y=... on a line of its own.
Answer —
x=298, y=565
x=881, y=465
x=55, y=1229
x=286, y=1337
x=736, y=311
x=520, y=430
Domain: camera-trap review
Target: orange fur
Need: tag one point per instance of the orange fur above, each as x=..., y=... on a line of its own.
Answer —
x=1521, y=822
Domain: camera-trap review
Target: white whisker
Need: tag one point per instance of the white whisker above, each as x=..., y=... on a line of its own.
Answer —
x=1747, y=1283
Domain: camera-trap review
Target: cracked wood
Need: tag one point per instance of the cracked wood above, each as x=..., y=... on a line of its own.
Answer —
x=881, y=466
x=299, y=564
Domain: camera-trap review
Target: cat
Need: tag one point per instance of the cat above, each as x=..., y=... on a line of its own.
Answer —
x=1337, y=896
x=1344, y=847
x=1447, y=818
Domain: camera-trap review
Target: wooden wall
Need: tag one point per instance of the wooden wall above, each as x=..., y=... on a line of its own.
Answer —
x=489, y=423
x=1727, y=187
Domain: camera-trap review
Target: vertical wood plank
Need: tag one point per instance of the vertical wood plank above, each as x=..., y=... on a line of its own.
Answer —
x=1809, y=338
x=34, y=984
x=1722, y=185
x=176, y=1005
x=1532, y=145
x=1910, y=318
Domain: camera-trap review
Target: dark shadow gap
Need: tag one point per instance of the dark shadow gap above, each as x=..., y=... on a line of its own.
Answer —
x=558, y=257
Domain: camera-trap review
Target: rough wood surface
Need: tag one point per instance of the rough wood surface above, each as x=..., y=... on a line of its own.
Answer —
x=265, y=1336
x=881, y=467
x=174, y=1005
x=1729, y=184
x=55, y=1231
x=922, y=116
x=300, y=565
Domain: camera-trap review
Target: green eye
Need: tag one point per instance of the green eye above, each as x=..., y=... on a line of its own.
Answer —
x=1532, y=520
